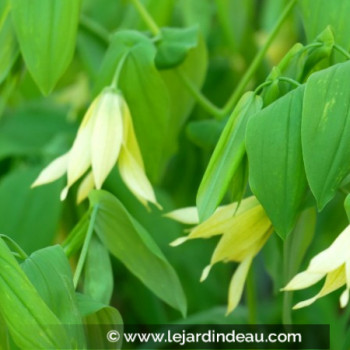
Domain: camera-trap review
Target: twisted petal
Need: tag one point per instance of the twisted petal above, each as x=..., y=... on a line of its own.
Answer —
x=223, y=219
x=334, y=281
x=80, y=155
x=107, y=135
x=303, y=280
x=334, y=256
x=135, y=178
x=131, y=165
x=53, y=171
x=85, y=187
x=188, y=216
x=237, y=283
x=244, y=237
x=129, y=137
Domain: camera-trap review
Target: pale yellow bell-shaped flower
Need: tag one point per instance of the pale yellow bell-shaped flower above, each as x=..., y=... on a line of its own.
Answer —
x=105, y=137
x=332, y=263
x=244, y=227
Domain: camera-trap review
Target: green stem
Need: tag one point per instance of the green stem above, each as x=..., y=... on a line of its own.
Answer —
x=150, y=22
x=85, y=248
x=342, y=51
x=199, y=97
x=116, y=76
x=290, y=81
x=287, y=296
x=251, y=297
x=94, y=28
x=262, y=86
x=257, y=60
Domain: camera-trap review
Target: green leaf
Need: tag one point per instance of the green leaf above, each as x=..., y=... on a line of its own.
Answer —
x=98, y=274
x=227, y=156
x=49, y=271
x=129, y=242
x=276, y=170
x=198, y=13
x=325, y=131
x=317, y=15
x=174, y=45
x=4, y=335
x=29, y=216
x=205, y=133
x=8, y=43
x=31, y=323
x=144, y=91
x=181, y=100
x=27, y=132
x=46, y=31
x=98, y=319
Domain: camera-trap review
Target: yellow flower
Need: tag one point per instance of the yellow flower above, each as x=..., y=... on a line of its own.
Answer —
x=105, y=136
x=244, y=228
x=332, y=263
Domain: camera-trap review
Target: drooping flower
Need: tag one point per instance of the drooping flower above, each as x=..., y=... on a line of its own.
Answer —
x=244, y=229
x=332, y=263
x=105, y=137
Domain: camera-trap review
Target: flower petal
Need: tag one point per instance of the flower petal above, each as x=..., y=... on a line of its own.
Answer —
x=334, y=256
x=53, y=171
x=85, y=187
x=334, y=281
x=135, y=178
x=222, y=219
x=129, y=138
x=244, y=236
x=303, y=280
x=107, y=135
x=188, y=216
x=237, y=284
x=80, y=155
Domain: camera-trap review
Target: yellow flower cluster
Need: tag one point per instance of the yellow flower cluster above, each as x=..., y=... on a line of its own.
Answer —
x=244, y=228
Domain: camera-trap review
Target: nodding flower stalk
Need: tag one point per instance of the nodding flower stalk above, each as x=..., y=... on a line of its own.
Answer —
x=106, y=137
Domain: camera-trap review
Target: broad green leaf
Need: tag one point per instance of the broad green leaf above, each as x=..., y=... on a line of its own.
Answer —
x=235, y=18
x=31, y=323
x=29, y=216
x=325, y=131
x=129, y=242
x=276, y=170
x=205, y=133
x=227, y=156
x=46, y=31
x=317, y=15
x=49, y=271
x=144, y=91
x=197, y=13
x=27, y=132
x=8, y=43
x=98, y=274
x=173, y=46
x=4, y=335
x=194, y=68
x=160, y=11
x=99, y=319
